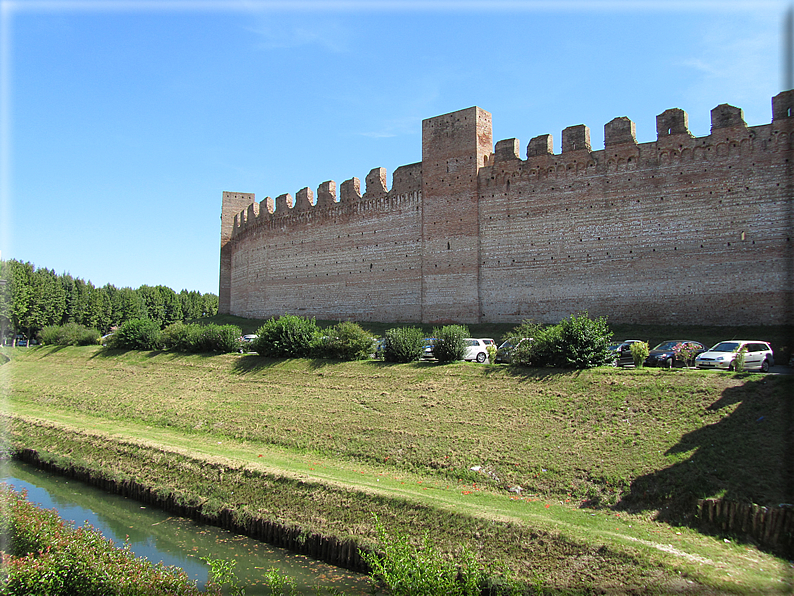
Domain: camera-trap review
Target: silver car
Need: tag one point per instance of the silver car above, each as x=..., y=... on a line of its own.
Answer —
x=757, y=355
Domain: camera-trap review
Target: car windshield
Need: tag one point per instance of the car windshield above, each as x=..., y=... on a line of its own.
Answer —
x=726, y=346
x=667, y=345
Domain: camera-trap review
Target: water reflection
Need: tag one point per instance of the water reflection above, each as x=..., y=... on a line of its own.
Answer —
x=154, y=534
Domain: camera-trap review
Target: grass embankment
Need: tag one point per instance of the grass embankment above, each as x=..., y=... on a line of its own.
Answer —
x=342, y=440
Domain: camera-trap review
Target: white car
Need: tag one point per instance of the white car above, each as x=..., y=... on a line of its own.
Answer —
x=757, y=355
x=475, y=350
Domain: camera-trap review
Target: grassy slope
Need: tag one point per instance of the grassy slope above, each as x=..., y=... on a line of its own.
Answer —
x=642, y=438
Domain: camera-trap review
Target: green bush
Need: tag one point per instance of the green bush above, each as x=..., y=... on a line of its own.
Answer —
x=137, y=334
x=218, y=338
x=587, y=341
x=175, y=337
x=450, y=346
x=70, y=334
x=403, y=569
x=520, y=352
x=346, y=341
x=545, y=349
x=289, y=336
x=686, y=352
x=639, y=352
x=575, y=342
x=403, y=344
x=198, y=338
x=491, y=349
x=48, y=557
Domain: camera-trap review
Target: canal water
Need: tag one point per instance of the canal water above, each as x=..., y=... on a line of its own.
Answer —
x=158, y=536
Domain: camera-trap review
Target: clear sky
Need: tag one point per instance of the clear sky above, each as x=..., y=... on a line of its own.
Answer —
x=123, y=121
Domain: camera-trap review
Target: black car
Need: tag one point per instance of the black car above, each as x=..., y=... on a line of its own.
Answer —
x=622, y=353
x=667, y=354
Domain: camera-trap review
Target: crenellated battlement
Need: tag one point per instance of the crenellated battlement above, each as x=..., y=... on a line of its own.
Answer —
x=474, y=232
x=730, y=138
x=407, y=181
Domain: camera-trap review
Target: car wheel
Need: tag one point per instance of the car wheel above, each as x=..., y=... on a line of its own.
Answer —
x=732, y=366
x=481, y=357
x=765, y=366
x=668, y=363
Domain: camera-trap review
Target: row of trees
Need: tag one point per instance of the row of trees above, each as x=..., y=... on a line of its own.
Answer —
x=31, y=299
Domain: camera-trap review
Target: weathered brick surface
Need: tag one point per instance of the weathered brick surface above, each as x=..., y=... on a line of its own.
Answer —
x=683, y=229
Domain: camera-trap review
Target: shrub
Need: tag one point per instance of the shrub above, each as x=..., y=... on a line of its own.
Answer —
x=70, y=334
x=491, y=349
x=217, y=338
x=406, y=570
x=175, y=337
x=639, y=352
x=520, y=352
x=738, y=361
x=403, y=344
x=686, y=352
x=198, y=338
x=575, y=342
x=449, y=345
x=545, y=349
x=50, y=557
x=585, y=341
x=289, y=336
x=346, y=341
x=137, y=334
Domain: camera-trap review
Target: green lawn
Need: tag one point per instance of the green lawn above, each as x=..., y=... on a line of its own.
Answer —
x=602, y=456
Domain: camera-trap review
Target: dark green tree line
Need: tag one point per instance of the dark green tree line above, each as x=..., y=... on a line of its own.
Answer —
x=31, y=299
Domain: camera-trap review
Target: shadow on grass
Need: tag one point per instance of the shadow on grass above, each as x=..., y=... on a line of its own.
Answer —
x=171, y=354
x=748, y=456
x=527, y=373
x=251, y=363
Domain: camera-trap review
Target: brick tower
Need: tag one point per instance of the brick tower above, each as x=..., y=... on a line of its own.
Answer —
x=454, y=148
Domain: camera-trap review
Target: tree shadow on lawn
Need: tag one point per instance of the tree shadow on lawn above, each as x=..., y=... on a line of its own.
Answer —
x=528, y=373
x=748, y=456
x=251, y=363
x=173, y=354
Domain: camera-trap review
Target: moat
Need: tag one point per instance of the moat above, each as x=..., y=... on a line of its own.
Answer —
x=160, y=537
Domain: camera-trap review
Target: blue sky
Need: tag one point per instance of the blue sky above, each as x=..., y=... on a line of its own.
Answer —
x=123, y=121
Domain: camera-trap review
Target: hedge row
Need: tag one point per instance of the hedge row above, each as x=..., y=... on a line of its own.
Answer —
x=575, y=342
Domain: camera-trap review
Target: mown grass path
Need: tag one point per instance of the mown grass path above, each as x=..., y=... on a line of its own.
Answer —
x=73, y=389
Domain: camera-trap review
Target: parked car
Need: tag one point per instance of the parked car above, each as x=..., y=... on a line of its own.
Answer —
x=665, y=353
x=475, y=350
x=379, y=347
x=244, y=340
x=622, y=352
x=504, y=352
x=429, y=346
x=488, y=341
x=758, y=355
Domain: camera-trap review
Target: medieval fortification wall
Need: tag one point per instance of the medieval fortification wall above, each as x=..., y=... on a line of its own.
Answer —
x=688, y=230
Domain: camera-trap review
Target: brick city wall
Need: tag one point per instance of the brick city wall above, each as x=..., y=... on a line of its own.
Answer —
x=683, y=229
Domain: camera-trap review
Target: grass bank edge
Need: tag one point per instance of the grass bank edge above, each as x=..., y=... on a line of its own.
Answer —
x=642, y=557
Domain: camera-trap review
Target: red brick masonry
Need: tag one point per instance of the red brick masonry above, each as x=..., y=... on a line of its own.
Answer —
x=680, y=230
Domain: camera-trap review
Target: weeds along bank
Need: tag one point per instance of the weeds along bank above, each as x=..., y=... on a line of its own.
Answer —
x=326, y=522
x=645, y=441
